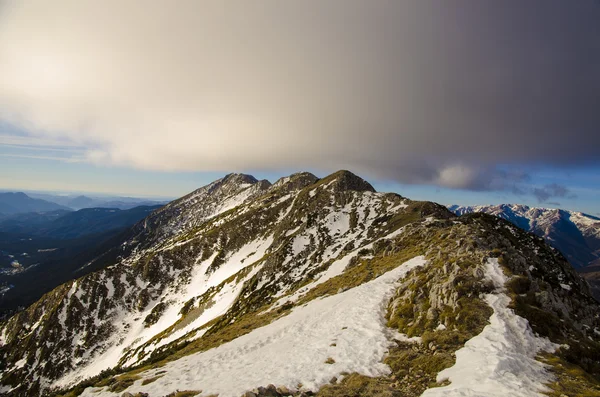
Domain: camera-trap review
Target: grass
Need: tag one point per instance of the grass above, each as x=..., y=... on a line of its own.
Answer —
x=122, y=383
x=185, y=393
x=356, y=385
x=365, y=271
x=150, y=380
x=570, y=379
x=329, y=361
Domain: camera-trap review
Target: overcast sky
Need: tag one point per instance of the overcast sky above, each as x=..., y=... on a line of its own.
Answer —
x=457, y=100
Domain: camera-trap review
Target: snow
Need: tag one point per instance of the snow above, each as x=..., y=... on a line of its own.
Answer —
x=300, y=243
x=566, y=286
x=132, y=332
x=338, y=221
x=3, y=337
x=500, y=361
x=221, y=303
x=293, y=349
x=335, y=269
x=21, y=363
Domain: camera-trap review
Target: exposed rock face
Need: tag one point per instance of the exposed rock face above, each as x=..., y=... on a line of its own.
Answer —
x=239, y=253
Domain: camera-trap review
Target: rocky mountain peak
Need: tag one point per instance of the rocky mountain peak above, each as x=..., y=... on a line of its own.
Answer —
x=344, y=180
x=233, y=182
x=295, y=182
x=237, y=178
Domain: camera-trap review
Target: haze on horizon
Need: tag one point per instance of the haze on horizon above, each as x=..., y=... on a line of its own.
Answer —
x=465, y=102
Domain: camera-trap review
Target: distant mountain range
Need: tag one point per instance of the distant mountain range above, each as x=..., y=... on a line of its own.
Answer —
x=61, y=224
x=575, y=234
x=12, y=203
x=83, y=201
x=16, y=203
x=39, y=251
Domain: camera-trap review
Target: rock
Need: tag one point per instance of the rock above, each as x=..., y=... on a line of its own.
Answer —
x=432, y=314
x=126, y=394
x=284, y=391
x=333, y=380
x=249, y=394
x=269, y=391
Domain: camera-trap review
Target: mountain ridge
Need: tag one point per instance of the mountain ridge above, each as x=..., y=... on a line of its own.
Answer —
x=213, y=268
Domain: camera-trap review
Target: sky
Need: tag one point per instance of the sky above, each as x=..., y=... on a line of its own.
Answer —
x=452, y=101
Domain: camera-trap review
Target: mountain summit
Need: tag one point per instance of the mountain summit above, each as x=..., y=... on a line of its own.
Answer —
x=311, y=286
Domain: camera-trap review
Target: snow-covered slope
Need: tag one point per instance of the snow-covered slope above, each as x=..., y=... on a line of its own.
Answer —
x=575, y=234
x=348, y=327
x=296, y=283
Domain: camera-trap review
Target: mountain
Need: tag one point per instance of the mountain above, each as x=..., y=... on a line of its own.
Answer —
x=29, y=222
x=31, y=267
x=80, y=202
x=311, y=286
x=73, y=224
x=575, y=234
x=16, y=203
x=51, y=247
x=83, y=201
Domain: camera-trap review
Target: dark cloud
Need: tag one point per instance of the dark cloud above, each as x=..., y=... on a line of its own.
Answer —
x=552, y=190
x=422, y=91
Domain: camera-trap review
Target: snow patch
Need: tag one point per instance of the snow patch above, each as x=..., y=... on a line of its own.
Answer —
x=566, y=286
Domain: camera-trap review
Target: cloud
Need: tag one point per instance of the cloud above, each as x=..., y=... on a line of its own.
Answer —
x=413, y=91
x=69, y=159
x=552, y=190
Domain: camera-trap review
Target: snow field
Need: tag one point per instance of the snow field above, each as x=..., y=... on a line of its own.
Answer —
x=293, y=349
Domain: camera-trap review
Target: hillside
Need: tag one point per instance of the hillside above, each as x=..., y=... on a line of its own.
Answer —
x=316, y=286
